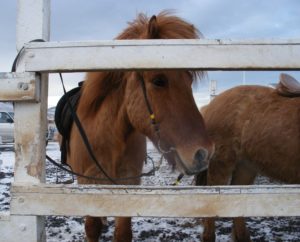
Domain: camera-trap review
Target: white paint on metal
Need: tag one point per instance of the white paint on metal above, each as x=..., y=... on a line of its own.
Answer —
x=163, y=54
x=156, y=201
x=21, y=228
x=30, y=118
x=18, y=87
x=33, y=20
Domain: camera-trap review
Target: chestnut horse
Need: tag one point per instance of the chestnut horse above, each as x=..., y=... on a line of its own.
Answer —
x=255, y=130
x=113, y=112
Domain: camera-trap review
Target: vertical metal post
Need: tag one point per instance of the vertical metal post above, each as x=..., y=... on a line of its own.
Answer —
x=33, y=22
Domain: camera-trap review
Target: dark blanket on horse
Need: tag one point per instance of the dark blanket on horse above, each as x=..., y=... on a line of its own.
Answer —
x=63, y=118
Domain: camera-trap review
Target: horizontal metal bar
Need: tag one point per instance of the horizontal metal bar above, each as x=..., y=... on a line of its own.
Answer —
x=150, y=42
x=155, y=201
x=18, y=87
x=163, y=54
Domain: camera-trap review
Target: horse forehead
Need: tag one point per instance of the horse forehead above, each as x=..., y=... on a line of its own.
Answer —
x=181, y=79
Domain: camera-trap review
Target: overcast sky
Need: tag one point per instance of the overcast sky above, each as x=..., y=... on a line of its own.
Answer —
x=216, y=19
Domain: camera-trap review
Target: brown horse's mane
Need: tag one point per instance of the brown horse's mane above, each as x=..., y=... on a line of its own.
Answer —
x=167, y=26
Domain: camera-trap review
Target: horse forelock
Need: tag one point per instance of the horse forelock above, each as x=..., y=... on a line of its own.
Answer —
x=165, y=25
x=168, y=26
x=162, y=26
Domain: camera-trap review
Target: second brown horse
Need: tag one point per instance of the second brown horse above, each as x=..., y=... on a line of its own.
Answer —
x=256, y=129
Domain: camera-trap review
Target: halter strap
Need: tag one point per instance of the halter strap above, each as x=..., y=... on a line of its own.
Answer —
x=150, y=110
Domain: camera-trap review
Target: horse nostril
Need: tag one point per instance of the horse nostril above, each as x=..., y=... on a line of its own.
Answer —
x=201, y=155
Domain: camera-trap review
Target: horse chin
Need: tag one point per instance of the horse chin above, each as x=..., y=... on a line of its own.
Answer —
x=181, y=167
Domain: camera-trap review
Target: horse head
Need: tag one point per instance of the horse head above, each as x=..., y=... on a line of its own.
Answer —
x=167, y=92
x=181, y=127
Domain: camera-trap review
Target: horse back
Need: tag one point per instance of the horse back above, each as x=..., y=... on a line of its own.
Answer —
x=228, y=111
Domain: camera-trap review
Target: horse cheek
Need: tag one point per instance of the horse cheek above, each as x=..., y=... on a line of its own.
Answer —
x=137, y=115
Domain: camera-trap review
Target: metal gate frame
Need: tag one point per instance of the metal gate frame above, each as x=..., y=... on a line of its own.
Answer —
x=32, y=199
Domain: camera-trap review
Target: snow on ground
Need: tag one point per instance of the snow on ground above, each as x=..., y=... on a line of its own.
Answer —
x=65, y=229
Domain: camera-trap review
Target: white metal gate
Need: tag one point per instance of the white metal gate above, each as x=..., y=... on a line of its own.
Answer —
x=32, y=199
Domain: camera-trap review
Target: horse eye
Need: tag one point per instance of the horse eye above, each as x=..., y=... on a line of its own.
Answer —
x=160, y=81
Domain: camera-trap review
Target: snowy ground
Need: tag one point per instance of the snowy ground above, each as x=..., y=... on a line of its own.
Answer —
x=146, y=229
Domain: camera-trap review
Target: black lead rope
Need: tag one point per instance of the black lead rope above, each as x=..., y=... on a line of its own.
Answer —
x=83, y=135
x=14, y=66
x=63, y=167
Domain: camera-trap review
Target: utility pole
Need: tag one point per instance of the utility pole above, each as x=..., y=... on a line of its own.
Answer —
x=244, y=78
x=213, y=89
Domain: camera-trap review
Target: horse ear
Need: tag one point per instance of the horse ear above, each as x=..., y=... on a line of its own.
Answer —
x=153, y=31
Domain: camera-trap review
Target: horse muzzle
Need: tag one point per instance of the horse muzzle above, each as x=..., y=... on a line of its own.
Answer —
x=199, y=163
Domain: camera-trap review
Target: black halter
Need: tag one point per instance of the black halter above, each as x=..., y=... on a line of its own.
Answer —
x=152, y=116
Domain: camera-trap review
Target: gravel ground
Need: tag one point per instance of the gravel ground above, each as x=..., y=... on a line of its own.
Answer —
x=60, y=228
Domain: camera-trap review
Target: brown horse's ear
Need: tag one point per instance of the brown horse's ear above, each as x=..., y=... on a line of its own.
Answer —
x=153, y=32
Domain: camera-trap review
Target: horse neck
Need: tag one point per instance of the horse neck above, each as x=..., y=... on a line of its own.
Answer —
x=114, y=125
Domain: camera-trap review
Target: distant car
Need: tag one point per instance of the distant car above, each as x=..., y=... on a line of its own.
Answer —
x=50, y=133
x=7, y=128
